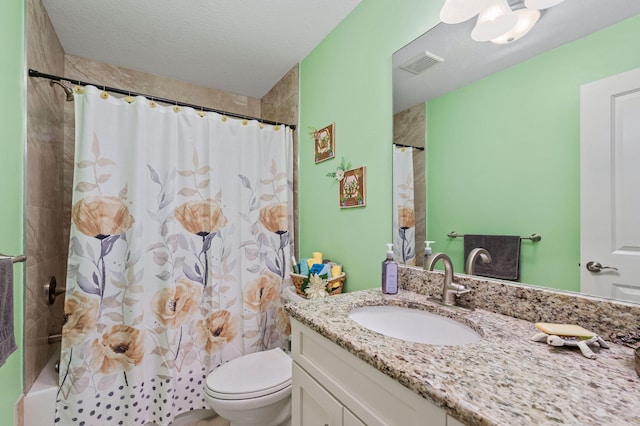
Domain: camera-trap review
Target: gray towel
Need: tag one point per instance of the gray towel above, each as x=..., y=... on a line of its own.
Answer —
x=505, y=255
x=7, y=338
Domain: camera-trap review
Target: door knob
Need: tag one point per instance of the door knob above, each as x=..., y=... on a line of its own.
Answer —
x=597, y=267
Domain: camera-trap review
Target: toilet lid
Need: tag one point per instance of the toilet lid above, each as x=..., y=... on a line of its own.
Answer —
x=251, y=376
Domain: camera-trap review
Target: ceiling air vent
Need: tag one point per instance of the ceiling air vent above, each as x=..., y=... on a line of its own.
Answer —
x=420, y=63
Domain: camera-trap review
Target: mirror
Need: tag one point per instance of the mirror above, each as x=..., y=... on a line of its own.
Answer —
x=500, y=125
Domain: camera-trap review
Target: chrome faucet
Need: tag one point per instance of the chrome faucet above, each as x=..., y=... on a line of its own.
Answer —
x=449, y=289
x=483, y=254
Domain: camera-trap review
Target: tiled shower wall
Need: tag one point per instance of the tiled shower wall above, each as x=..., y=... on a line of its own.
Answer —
x=50, y=158
x=46, y=245
x=409, y=128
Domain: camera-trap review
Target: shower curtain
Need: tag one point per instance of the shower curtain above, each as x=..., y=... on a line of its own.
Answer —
x=404, y=223
x=179, y=252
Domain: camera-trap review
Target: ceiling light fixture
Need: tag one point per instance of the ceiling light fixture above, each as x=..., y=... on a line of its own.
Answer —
x=527, y=18
x=496, y=20
x=457, y=11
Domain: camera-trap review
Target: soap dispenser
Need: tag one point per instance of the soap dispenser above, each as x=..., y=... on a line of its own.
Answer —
x=427, y=253
x=389, y=273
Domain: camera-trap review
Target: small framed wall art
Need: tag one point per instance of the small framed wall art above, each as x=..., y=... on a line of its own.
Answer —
x=353, y=188
x=324, y=143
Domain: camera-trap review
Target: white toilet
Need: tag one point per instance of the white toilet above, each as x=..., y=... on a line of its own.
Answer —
x=254, y=389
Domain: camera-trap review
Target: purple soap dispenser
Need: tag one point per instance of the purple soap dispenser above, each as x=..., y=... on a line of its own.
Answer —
x=389, y=273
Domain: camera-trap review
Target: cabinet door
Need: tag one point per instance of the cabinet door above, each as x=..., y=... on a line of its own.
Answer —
x=350, y=419
x=312, y=405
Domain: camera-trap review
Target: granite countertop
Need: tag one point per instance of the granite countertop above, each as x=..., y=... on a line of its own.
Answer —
x=505, y=379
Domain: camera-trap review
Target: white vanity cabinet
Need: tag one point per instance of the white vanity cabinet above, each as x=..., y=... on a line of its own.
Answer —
x=332, y=387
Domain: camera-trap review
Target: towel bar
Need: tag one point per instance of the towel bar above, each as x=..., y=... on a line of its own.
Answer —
x=14, y=259
x=533, y=237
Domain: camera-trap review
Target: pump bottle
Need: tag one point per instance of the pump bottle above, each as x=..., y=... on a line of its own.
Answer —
x=389, y=273
x=427, y=253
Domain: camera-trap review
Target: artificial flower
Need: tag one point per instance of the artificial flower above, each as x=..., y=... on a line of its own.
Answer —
x=316, y=288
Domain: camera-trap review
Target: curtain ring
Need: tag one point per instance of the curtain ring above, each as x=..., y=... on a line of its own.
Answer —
x=129, y=99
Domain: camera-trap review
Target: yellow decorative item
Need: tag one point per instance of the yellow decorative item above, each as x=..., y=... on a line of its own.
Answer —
x=336, y=270
x=104, y=95
x=245, y=122
x=176, y=108
x=317, y=255
x=564, y=330
x=223, y=118
x=261, y=125
x=152, y=104
x=276, y=128
x=202, y=114
x=129, y=99
x=79, y=90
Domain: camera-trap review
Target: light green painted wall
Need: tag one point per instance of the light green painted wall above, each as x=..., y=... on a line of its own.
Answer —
x=12, y=135
x=503, y=154
x=346, y=79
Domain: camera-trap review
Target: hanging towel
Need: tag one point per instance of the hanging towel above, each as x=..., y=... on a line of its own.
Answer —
x=7, y=338
x=505, y=255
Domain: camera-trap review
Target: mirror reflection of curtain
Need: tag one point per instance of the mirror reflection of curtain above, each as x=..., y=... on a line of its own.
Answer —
x=404, y=231
x=180, y=245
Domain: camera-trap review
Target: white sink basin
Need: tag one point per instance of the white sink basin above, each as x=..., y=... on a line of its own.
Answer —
x=414, y=325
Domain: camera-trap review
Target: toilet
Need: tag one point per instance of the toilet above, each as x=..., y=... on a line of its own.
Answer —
x=254, y=389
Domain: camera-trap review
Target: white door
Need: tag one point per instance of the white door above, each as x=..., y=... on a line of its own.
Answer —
x=610, y=187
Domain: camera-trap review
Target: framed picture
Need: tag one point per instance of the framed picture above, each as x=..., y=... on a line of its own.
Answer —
x=324, y=141
x=353, y=188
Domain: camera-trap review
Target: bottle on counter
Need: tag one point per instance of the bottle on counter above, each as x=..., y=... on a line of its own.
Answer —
x=427, y=253
x=389, y=273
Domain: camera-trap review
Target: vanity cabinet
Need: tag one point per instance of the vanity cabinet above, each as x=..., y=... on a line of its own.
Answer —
x=315, y=406
x=332, y=387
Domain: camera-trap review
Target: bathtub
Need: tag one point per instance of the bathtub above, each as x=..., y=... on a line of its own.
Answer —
x=40, y=401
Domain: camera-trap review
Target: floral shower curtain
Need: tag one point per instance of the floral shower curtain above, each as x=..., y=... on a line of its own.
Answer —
x=404, y=224
x=179, y=251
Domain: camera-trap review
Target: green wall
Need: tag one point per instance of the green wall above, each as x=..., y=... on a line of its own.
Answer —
x=346, y=79
x=12, y=135
x=503, y=154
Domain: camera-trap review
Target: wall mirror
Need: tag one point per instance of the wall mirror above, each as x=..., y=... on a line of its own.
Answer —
x=497, y=131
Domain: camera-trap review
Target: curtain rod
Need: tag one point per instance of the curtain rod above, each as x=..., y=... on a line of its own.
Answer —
x=34, y=73
x=419, y=148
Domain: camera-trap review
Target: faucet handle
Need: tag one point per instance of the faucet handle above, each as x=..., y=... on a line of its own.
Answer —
x=463, y=291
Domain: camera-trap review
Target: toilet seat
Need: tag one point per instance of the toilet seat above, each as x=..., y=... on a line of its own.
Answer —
x=251, y=376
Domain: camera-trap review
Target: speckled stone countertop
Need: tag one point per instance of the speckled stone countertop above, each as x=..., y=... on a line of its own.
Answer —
x=505, y=379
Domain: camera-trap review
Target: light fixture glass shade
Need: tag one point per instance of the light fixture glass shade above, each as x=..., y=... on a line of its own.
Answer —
x=495, y=19
x=456, y=11
x=527, y=18
x=541, y=4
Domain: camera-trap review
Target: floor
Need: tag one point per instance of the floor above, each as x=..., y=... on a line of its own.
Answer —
x=213, y=421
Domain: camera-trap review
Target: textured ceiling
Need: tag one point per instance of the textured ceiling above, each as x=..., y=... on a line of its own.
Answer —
x=466, y=61
x=240, y=46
